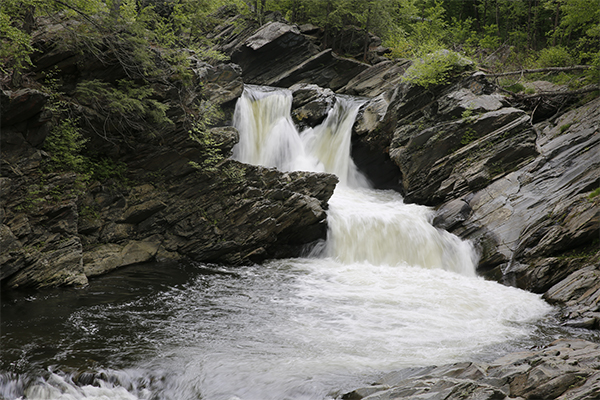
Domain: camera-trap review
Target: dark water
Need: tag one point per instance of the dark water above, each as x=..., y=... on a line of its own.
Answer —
x=291, y=329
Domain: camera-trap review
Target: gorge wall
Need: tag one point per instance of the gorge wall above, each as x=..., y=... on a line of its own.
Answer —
x=522, y=192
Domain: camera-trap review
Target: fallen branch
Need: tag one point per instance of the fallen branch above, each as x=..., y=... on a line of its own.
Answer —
x=533, y=71
x=587, y=89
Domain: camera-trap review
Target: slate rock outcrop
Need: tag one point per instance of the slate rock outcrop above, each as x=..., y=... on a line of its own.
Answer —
x=57, y=230
x=565, y=369
x=521, y=192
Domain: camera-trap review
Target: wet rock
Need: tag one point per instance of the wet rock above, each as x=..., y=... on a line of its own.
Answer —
x=221, y=83
x=311, y=104
x=380, y=78
x=566, y=369
x=56, y=264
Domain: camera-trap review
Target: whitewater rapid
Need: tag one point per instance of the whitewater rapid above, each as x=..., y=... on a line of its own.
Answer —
x=385, y=291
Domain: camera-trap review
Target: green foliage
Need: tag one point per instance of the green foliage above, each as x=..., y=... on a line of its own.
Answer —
x=435, y=68
x=212, y=156
x=564, y=127
x=65, y=143
x=556, y=56
x=469, y=116
x=490, y=39
x=516, y=87
x=468, y=136
x=15, y=44
x=201, y=134
x=107, y=168
x=594, y=193
x=126, y=107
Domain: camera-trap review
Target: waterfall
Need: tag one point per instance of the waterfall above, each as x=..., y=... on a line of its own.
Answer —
x=365, y=225
x=388, y=291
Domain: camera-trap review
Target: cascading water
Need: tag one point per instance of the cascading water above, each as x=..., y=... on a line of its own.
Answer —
x=387, y=291
x=365, y=225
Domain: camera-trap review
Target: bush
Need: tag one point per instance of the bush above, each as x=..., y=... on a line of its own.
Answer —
x=436, y=68
x=64, y=143
x=556, y=56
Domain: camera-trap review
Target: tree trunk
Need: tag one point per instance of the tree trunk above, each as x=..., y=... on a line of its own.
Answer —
x=556, y=23
x=535, y=22
x=485, y=7
x=327, y=25
x=477, y=16
x=367, y=38
x=29, y=19
x=498, y=19
x=529, y=24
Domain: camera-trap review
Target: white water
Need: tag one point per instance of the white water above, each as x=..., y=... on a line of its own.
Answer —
x=387, y=291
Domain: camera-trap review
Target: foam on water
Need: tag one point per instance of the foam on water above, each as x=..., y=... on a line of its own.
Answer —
x=387, y=291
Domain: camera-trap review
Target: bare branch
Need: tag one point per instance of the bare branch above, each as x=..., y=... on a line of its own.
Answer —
x=533, y=71
x=587, y=89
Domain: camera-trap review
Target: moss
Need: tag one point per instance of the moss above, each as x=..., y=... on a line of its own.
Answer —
x=564, y=127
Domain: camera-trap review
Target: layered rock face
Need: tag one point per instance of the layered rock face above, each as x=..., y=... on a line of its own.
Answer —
x=565, y=369
x=521, y=192
x=57, y=230
x=280, y=54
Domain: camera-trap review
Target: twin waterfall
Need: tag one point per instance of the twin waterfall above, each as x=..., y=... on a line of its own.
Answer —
x=386, y=291
x=365, y=225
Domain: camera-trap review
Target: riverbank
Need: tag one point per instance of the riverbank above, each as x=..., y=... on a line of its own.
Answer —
x=521, y=188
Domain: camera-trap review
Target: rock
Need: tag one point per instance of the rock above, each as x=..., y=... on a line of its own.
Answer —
x=282, y=44
x=56, y=264
x=141, y=212
x=566, y=369
x=325, y=69
x=278, y=54
x=226, y=137
x=221, y=83
x=23, y=105
x=112, y=256
x=311, y=104
x=462, y=156
x=377, y=79
x=529, y=225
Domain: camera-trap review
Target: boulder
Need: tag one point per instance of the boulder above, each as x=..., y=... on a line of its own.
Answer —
x=105, y=258
x=22, y=105
x=279, y=54
x=311, y=104
x=377, y=79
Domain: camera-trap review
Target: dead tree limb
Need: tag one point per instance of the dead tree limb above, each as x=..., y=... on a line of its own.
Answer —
x=533, y=71
x=587, y=89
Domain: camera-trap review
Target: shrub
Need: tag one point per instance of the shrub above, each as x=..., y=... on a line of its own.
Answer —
x=436, y=68
x=556, y=56
x=64, y=143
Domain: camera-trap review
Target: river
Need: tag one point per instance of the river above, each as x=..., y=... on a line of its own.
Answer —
x=385, y=291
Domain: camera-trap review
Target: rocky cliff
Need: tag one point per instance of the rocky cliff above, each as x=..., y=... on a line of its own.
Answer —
x=521, y=192
x=524, y=193
x=58, y=229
